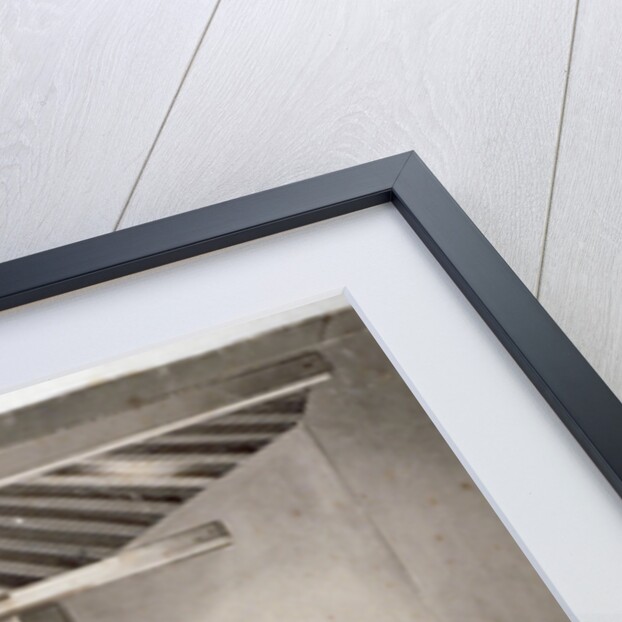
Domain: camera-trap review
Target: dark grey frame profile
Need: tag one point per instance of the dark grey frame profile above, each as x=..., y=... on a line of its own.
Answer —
x=581, y=399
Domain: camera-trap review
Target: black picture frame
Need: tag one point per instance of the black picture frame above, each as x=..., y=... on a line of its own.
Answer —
x=572, y=388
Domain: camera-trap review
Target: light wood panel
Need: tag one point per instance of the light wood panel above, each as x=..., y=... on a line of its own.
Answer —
x=281, y=91
x=84, y=87
x=582, y=274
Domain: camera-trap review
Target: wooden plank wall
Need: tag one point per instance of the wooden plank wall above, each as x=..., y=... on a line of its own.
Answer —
x=84, y=87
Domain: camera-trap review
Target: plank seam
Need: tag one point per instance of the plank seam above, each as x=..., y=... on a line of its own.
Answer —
x=547, y=217
x=166, y=116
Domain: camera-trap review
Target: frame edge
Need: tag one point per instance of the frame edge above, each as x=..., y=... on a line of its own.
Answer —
x=153, y=244
x=568, y=383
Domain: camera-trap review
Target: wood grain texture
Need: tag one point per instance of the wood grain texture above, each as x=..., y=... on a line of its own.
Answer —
x=582, y=272
x=279, y=92
x=84, y=87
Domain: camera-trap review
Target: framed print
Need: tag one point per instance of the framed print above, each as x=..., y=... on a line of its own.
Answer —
x=532, y=423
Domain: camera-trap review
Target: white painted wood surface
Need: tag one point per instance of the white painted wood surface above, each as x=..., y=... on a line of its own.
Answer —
x=282, y=91
x=84, y=87
x=582, y=275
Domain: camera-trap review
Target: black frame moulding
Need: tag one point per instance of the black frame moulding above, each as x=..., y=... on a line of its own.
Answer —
x=581, y=399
